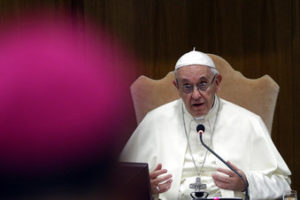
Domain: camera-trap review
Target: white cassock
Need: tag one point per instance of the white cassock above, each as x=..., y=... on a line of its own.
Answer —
x=236, y=134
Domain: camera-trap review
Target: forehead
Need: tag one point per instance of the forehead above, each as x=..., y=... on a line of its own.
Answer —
x=194, y=72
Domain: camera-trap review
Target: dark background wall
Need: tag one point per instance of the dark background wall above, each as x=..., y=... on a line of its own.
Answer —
x=256, y=37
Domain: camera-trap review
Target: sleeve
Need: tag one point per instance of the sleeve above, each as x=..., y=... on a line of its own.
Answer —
x=269, y=174
x=263, y=186
x=141, y=145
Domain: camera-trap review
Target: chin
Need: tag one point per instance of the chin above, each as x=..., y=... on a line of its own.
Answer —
x=199, y=113
x=196, y=116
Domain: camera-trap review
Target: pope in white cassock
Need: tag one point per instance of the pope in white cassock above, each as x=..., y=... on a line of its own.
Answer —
x=167, y=140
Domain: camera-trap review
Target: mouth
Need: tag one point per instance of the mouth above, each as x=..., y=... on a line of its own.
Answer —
x=197, y=105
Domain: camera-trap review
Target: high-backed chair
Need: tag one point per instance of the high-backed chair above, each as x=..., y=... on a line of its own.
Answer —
x=257, y=95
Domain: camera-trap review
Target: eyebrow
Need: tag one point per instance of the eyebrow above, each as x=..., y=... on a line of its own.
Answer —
x=200, y=79
x=204, y=78
x=185, y=80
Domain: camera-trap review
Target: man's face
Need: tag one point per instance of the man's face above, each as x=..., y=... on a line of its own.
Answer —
x=191, y=79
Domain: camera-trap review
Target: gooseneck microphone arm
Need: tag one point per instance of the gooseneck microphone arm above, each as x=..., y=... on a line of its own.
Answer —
x=200, y=130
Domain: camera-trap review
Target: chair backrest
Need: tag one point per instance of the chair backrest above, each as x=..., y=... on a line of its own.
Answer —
x=257, y=95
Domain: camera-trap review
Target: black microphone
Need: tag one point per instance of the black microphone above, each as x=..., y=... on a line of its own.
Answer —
x=200, y=130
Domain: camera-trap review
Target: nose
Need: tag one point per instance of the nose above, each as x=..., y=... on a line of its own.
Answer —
x=196, y=93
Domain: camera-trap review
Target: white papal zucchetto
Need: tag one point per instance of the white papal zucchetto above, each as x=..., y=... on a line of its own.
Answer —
x=194, y=58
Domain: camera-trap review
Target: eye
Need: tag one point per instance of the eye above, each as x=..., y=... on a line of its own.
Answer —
x=202, y=85
x=187, y=86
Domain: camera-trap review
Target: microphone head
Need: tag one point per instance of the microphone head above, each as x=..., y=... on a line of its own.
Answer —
x=200, y=127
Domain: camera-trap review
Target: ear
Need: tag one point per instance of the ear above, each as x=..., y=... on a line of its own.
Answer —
x=175, y=84
x=218, y=82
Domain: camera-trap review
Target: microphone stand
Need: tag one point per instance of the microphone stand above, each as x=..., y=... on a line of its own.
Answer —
x=243, y=179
